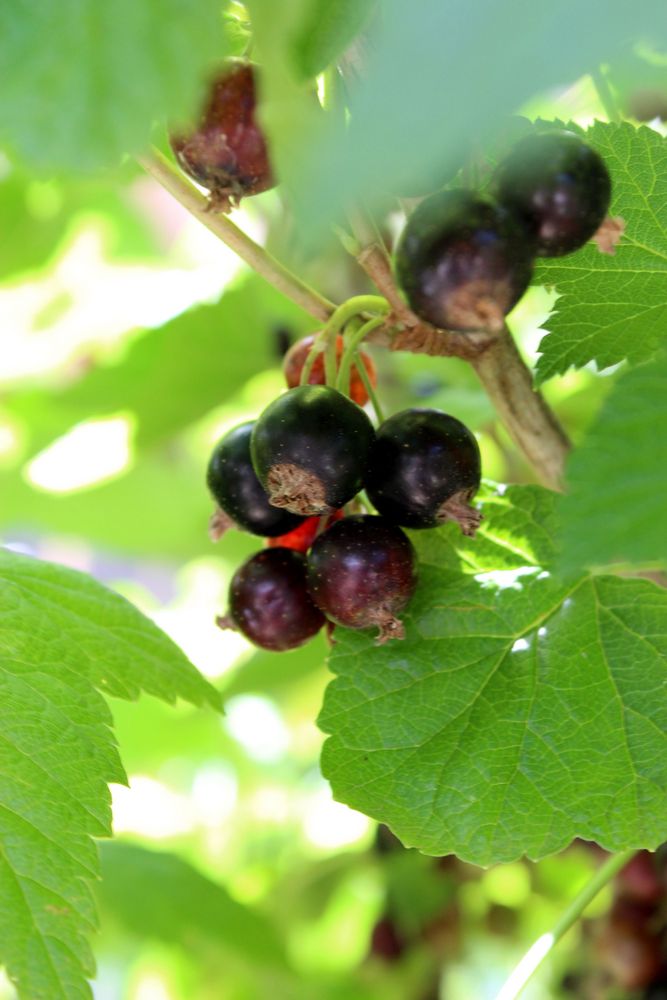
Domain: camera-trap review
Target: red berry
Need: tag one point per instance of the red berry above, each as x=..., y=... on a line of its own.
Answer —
x=387, y=942
x=296, y=357
x=309, y=449
x=226, y=153
x=361, y=573
x=269, y=601
x=303, y=536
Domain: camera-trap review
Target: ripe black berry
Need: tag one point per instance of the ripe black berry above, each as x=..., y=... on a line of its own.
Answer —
x=226, y=153
x=309, y=449
x=423, y=470
x=238, y=492
x=361, y=573
x=463, y=261
x=269, y=601
x=559, y=187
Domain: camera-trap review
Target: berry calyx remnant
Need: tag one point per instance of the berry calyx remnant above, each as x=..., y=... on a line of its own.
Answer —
x=309, y=449
x=296, y=357
x=269, y=601
x=226, y=152
x=424, y=469
x=361, y=573
x=241, y=498
x=558, y=186
x=463, y=261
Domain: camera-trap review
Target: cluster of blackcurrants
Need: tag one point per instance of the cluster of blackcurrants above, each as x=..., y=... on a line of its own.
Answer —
x=464, y=260
x=289, y=475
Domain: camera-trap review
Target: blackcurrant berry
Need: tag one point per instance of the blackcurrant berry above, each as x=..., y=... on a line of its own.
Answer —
x=463, y=261
x=309, y=449
x=296, y=357
x=302, y=537
x=361, y=573
x=423, y=470
x=241, y=498
x=269, y=601
x=387, y=942
x=559, y=187
x=226, y=152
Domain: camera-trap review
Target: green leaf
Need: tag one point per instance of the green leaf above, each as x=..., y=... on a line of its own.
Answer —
x=613, y=307
x=522, y=710
x=64, y=639
x=83, y=82
x=411, y=116
x=614, y=510
x=327, y=28
x=174, y=374
x=158, y=894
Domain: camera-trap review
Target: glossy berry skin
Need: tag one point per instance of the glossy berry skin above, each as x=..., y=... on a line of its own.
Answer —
x=303, y=536
x=361, y=573
x=463, y=261
x=559, y=187
x=296, y=357
x=309, y=449
x=226, y=153
x=269, y=601
x=423, y=470
x=238, y=492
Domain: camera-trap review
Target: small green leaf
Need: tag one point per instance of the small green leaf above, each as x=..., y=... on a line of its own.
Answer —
x=521, y=711
x=63, y=639
x=613, y=307
x=158, y=894
x=83, y=82
x=327, y=28
x=614, y=510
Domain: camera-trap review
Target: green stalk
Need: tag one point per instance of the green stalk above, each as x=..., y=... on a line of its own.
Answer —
x=370, y=391
x=326, y=338
x=531, y=961
x=343, y=380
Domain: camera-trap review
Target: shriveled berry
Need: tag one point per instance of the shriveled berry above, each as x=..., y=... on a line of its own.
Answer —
x=226, y=152
x=269, y=601
x=361, y=573
x=296, y=358
x=463, y=261
x=241, y=498
x=559, y=187
x=309, y=449
x=424, y=469
x=303, y=536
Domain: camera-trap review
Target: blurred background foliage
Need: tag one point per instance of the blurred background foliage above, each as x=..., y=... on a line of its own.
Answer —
x=131, y=340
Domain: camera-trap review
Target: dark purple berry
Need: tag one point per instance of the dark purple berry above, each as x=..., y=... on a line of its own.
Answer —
x=559, y=187
x=226, y=152
x=361, y=573
x=269, y=601
x=387, y=942
x=309, y=449
x=423, y=470
x=463, y=261
x=241, y=498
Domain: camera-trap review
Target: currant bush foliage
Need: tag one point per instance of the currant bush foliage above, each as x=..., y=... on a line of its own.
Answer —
x=65, y=640
x=614, y=511
x=523, y=708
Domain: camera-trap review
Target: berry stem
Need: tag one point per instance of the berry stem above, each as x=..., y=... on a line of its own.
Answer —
x=531, y=961
x=527, y=417
x=353, y=342
x=159, y=167
x=370, y=389
x=326, y=338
